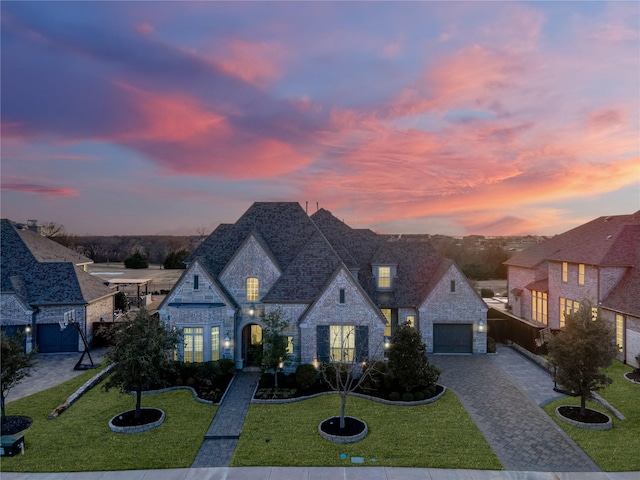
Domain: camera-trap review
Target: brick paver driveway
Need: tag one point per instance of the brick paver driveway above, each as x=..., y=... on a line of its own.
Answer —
x=520, y=433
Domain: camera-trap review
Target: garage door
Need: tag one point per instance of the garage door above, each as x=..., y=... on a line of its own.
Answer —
x=52, y=340
x=452, y=338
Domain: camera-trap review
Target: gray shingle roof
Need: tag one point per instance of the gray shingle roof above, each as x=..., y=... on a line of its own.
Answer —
x=54, y=280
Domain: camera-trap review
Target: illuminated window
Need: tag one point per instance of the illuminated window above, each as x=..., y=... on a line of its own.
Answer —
x=196, y=282
x=289, y=345
x=193, y=344
x=539, y=306
x=567, y=306
x=594, y=313
x=565, y=272
x=620, y=331
x=384, y=277
x=387, y=314
x=411, y=320
x=342, y=345
x=581, y=274
x=252, y=289
x=215, y=343
x=256, y=335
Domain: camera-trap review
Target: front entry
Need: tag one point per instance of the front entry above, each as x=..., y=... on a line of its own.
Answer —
x=252, y=345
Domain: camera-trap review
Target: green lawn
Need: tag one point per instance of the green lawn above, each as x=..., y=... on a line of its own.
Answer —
x=80, y=438
x=615, y=449
x=437, y=435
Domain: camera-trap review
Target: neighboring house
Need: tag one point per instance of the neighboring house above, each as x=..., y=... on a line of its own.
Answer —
x=41, y=282
x=343, y=291
x=598, y=261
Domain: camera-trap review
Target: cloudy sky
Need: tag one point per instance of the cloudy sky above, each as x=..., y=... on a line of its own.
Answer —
x=492, y=118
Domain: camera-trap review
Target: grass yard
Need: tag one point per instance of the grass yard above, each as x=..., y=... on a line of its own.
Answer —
x=616, y=449
x=80, y=438
x=437, y=435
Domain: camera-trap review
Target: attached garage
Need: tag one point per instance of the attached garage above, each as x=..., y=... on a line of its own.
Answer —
x=52, y=340
x=453, y=338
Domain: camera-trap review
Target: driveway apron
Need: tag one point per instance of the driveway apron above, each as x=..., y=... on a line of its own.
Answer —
x=520, y=433
x=222, y=436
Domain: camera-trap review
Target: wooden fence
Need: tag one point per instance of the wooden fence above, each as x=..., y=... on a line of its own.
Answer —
x=505, y=328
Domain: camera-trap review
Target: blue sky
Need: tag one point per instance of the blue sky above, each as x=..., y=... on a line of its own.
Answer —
x=492, y=118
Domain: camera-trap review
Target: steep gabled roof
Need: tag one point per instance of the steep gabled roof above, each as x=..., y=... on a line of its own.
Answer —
x=46, y=281
x=605, y=241
x=625, y=297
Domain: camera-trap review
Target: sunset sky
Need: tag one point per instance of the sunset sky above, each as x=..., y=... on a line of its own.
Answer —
x=493, y=118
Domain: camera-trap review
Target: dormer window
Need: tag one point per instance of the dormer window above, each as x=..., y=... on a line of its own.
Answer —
x=384, y=275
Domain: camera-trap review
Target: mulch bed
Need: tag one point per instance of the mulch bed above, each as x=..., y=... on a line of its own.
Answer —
x=352, y=426
x=147, y=416
x=635, y=375
x=11, y=425
x=592, y=416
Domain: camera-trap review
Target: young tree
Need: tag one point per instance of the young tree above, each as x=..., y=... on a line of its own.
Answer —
x=274, y=342
x=580, y=350
x=408, y=362
x=142, y=350
x=349, y=365
x=15, y=364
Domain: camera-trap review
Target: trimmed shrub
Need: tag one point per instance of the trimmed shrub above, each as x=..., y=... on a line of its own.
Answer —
x=394, y=396
x=418, y=396
x=306, y=376
x=227, y=366
x=491, y=345
x=407, y=397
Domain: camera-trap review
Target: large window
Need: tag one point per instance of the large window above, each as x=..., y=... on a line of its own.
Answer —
x=539, y=306
x=581, y=274
x=384, y=277
x=193, y=344
x=215, y=343
x=565, y=272
x=289, y=345
x=411, y=320
x=620, y=331
x=387, y=314
x=252, y=289
x=342, y=345
x=567, y=306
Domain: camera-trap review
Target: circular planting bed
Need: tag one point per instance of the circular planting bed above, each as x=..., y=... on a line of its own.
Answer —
x=14, y=424
x=126, y=422
x=353, y=431
x=633, y=377
x=594, y=420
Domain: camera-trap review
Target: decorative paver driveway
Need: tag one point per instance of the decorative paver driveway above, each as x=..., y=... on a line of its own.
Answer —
x=520, y=433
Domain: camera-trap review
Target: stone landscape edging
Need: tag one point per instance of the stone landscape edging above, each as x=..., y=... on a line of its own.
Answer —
x=137, y=428
x=589, y=426
x=273, y=401
x=630, y=379
x=88, y=385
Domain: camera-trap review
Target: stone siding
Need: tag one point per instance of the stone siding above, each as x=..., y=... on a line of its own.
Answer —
x=327, y=310
x=463, y=306
x=13, y=311
x=570, y=289
x=632, y=341
x=100, y=309
x=519, y=277
x=251, y=260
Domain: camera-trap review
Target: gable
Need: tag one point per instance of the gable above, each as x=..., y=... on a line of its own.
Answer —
x=184, y=291
x=251, y=260
x=456, y=303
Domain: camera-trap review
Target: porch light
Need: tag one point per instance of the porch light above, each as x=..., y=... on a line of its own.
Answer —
x=28, y=329
x=227, y=341
x=281, y=364
x=252, y=309
x=387, y=343
x=315, y=362
x=481, y=326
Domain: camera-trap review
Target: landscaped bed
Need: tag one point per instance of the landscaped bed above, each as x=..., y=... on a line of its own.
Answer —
x=438, y=435
x=80, y=438
x=615, y=449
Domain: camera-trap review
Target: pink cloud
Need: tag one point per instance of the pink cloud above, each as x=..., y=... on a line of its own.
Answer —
x=257, y=63
x=144, y=28
x=31, y=188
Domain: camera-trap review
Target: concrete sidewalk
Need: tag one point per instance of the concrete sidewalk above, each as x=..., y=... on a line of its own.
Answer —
x=319, y=473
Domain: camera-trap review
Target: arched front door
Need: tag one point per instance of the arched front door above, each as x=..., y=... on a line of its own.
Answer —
x=252, y=345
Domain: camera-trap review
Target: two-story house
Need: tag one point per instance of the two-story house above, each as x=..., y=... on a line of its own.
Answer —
x=41, y=282
x=598, y=261
x=342, y=290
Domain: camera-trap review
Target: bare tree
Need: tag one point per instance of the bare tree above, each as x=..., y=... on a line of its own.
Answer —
x=51, y=230
x=350, y=363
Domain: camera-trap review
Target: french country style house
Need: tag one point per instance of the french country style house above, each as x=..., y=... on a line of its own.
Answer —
x=598, y=261
x=42, y=284
x=343, y=291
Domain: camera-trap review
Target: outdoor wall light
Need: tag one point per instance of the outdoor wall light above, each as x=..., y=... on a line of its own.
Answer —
x=281, y=364
x=28, y=329
x=227, y=341
x=315, y=362
x=387, y=343
x=252, y=309
x=481, y=326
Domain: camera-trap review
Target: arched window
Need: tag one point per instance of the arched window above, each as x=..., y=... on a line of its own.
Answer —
x=252, y=289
